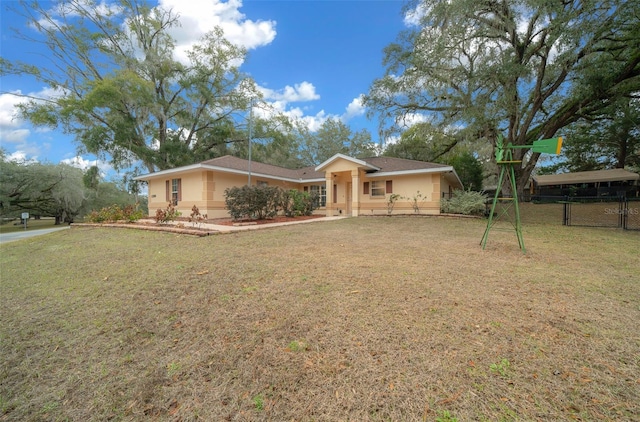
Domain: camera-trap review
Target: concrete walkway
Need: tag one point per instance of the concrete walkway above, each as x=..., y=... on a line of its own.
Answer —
x=246, y=226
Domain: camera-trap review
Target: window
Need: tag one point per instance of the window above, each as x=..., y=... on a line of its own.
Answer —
x=321, y=192
x=378, y=188
x=262, y=184
x=174, y=191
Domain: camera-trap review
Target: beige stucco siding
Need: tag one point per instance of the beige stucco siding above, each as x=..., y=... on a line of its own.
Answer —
x=446, y=189
x=204, y=189
x=418, y=194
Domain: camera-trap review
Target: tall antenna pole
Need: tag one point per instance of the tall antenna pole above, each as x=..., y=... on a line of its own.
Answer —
x=250, y=136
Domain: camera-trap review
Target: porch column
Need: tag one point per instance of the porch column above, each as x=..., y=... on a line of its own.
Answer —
x=355, y=192
x=328, y=180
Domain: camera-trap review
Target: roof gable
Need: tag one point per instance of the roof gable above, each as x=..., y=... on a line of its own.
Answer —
x=338, y=157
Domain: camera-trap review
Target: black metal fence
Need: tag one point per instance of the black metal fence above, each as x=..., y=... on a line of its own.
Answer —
x=631, y=220
x=609, y=192
x=597, y=211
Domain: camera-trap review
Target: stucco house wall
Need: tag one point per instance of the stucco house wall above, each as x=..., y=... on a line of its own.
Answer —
x=421, y=190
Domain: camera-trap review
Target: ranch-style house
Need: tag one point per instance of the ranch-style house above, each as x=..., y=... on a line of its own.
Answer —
x=345, y=185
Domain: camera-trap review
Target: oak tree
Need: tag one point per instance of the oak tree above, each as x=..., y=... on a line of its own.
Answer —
x=122, y=88
x=525, y=69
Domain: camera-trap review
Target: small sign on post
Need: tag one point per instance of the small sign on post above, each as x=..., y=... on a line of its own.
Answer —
x=25, y=217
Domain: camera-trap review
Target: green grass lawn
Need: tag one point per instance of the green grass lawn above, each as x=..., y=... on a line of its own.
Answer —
x=367, y=319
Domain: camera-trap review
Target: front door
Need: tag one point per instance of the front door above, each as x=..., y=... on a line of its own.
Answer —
x=347, y=197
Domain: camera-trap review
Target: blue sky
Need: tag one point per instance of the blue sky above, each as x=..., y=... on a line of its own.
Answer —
x=312, y=59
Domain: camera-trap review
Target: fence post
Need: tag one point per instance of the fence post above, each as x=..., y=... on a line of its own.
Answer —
x=566, y=210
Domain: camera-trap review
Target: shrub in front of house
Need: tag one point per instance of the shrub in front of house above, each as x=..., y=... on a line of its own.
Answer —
x=295, y=203
x=464, y=202
x=115, y=213
x=254, y=202
x=168, y=214
x=260, y=202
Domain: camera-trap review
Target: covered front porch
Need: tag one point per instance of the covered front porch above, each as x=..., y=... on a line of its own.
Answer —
x=343, y=178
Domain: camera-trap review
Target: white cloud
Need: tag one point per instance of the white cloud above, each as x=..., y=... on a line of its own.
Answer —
x=354, y=109
x=21, y=157
x=15, y=130
x=270, y=109
x=83, y=164
x=277, y=102
x=414, y=16
x=9, y=101
x=69, y=10
x=410, y=119
x=304, y=91
x=390, y=140
x=314, y=122
x=200, y=17
x=8, y=116
x=14, y=136
x=79, y=162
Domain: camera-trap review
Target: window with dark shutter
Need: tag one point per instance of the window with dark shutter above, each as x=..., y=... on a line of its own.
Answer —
x=365, y=188
x=168, y=191
x=174, y=191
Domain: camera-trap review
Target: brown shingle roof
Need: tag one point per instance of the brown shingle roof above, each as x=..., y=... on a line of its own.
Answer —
x=229, y=162
x=385, y=164
x=235, y=163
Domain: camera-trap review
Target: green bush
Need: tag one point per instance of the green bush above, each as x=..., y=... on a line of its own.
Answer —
x=254, y=202
x=260, y=202
x=295, y=203
x=114, y=213
x=464, y=202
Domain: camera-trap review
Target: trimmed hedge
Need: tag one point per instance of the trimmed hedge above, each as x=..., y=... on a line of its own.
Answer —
x=260, y=202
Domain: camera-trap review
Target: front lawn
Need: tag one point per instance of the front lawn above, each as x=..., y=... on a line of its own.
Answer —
x=370, y=318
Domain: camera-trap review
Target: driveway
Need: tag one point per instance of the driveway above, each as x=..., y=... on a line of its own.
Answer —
x=10, y=237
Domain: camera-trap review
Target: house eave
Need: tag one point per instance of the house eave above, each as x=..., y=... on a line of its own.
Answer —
x=409, y=172
x=223, y=170
x=168, y=172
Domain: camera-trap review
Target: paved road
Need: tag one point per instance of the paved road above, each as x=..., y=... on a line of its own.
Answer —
x=10, y=237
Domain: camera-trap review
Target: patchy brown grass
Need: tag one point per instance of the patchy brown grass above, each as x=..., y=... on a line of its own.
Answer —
x=371, y=318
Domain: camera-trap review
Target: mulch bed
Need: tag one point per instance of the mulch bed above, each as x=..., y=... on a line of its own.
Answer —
x=195, y=231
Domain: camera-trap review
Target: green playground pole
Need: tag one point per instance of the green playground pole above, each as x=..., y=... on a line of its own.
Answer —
x=516, y=206
x=493, y=208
